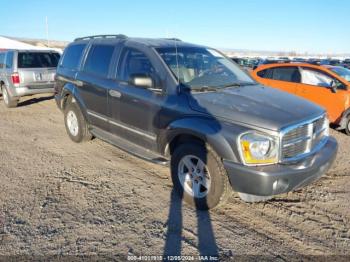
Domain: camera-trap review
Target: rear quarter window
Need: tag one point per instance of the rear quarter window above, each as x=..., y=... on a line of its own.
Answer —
x=99, y=59
x=9, y=60
x=72, y=56
x=37, y=59
x=262, y=73
x=2, y=60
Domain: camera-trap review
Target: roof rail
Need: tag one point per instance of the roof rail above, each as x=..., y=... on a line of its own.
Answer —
x=120, y=36
x=173, y=38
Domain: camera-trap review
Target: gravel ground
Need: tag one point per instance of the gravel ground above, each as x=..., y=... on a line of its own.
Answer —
x=58, y=198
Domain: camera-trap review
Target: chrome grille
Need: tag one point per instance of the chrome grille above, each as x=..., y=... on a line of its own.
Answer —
x=304, y=138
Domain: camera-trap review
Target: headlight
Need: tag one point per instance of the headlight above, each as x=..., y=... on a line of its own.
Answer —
x=259, y=149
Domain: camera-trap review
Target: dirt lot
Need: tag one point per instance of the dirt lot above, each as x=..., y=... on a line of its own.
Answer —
x=61, y=198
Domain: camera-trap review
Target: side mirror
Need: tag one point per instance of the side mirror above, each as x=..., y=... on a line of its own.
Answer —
x=333, y=86
x=141, y=81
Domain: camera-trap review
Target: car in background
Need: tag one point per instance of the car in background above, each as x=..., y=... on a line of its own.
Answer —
x=246, y=62
x=333, y=62
x=270, y=60
x=319, y=84
x=314, y=61
x=346, y=63
x=299, y=60
x=26, y=72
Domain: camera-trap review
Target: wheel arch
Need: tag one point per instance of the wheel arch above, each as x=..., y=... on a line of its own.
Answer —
x=198, y=131
x=69, y=95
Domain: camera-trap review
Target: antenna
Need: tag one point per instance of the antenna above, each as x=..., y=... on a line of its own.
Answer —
x=47, y=30
x=177, y=63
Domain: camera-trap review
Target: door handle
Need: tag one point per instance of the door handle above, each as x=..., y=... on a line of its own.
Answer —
x=114, y=93
x=78, y=83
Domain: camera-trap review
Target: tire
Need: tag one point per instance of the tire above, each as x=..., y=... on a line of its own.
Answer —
x=347, y=126
x=75, y=124
x=9, y=101
x=217, y=189
x=253, y=198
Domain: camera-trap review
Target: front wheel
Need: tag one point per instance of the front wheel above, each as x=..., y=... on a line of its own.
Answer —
x=347, y=127
x=199, y=177
x=75, y=123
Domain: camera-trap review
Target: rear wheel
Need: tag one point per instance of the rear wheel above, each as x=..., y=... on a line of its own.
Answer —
x=9, y=101
x=199, y=177
x=76, y=126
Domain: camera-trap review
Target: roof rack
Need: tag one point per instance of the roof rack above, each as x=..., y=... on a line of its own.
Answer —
x=120, y=36
x=173, y=38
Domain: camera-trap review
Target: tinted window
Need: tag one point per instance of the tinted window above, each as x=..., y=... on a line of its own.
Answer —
x=134, y=62
x=37, y=59
x=9, y=60
x=288, y=74
x=98, y=59
x=72, y=56
x=262, y=73
x=2, y=60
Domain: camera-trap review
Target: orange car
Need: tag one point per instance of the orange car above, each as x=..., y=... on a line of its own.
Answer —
x=320, y=84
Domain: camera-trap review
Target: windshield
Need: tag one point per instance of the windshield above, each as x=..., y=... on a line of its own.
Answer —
x=201, y=67
x=37, y=59
x=343, y=72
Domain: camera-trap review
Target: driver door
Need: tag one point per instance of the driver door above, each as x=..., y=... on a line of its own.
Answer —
x=137, y=107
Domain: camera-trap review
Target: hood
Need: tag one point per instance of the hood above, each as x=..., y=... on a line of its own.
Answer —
x=257, y=105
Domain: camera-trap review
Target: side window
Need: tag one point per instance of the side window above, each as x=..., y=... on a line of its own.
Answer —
x=9, y=60
x=263, y=73
x=99, y=59
x=2, y=60
x=310, y=76
x=134, y=62
x=288, y=74
x=72, y=56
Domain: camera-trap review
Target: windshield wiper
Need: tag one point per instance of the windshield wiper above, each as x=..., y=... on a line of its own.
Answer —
x=237, y=84
x=204, y=89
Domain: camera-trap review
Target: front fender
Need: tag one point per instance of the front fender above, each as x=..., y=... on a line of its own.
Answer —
x=208, y=130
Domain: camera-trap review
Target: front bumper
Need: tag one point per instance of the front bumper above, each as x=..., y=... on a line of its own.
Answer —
x=281, y=178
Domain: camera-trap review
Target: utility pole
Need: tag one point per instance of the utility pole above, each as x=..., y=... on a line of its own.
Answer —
x=47, y=31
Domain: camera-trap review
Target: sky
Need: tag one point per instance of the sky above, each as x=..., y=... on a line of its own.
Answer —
x=313, y=26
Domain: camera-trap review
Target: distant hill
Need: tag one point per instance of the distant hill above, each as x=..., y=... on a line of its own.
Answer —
x=42, y=42
x=227, y=51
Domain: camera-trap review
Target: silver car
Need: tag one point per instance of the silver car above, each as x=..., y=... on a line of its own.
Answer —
x=26, y=72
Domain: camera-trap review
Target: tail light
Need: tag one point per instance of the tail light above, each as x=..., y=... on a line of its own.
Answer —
x=15, y=78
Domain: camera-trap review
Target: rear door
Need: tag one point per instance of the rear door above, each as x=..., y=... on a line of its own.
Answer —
x=36, y=68
x=284, y=78
x=95, y=82
x=315, y=86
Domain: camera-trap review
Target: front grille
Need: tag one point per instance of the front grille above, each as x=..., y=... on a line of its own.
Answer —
x=304, y=138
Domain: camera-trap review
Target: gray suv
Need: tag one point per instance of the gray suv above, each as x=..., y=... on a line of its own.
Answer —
x=26, y=72
x=165, y=100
